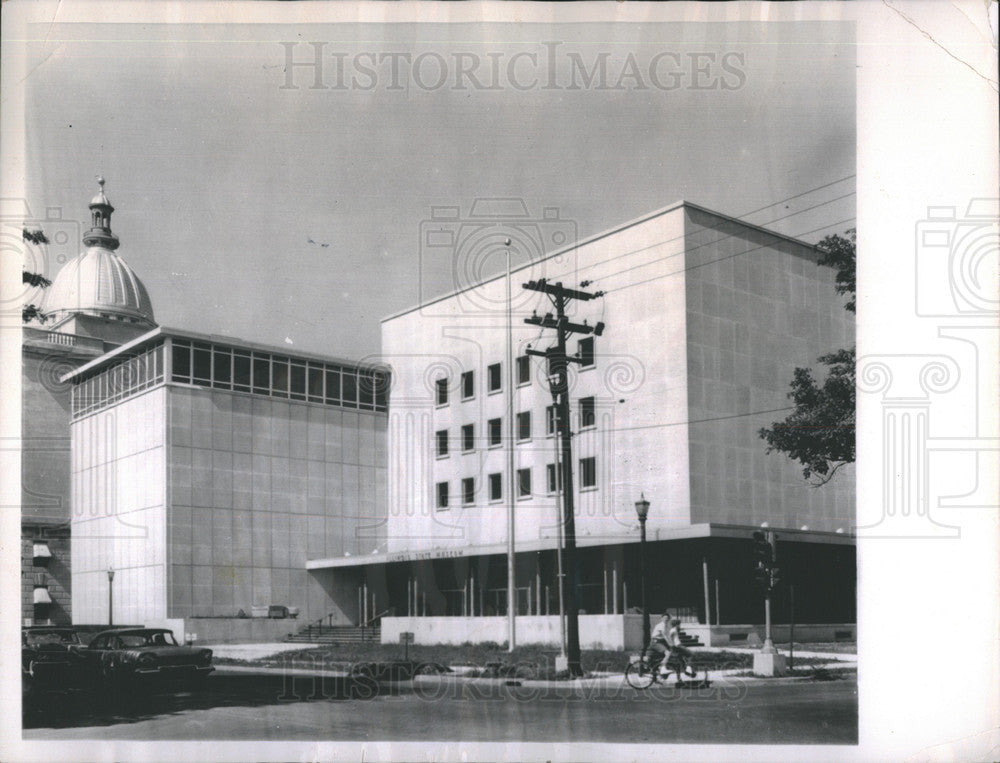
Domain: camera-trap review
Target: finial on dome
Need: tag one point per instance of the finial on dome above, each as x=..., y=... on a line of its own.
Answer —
x=100, y=181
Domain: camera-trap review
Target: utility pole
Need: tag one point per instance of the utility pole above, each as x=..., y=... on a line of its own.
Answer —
x=559, y=383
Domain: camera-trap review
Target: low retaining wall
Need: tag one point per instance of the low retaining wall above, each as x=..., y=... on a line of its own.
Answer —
x=753, y=635
x=596, y=631
x=234, y=630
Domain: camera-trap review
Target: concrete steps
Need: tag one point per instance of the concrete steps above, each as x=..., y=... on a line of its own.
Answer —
x=336, y=634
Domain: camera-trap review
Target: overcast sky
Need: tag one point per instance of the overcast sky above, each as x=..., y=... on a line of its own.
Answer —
x=223, y=164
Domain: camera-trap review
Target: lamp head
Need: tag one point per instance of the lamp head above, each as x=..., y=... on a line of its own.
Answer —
x=642, y=507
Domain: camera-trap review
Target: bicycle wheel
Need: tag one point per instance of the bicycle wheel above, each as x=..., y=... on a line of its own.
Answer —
x=639, y=676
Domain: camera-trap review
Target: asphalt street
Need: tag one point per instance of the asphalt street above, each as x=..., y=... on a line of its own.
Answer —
x=255, y=706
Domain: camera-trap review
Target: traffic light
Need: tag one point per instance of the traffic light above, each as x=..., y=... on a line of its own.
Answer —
x=762, y=552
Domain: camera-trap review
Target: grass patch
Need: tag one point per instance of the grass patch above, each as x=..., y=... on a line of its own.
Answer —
x=529, y=661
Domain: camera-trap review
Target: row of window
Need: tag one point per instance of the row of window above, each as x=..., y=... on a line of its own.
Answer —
x=494, y=483
x=522, y=428
x=494, y=374
x=212, y=365
x=118, y=382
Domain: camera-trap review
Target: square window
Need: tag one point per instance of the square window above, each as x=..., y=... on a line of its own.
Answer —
x=495, y=431
x=442, y=442
x=524, y=425
x=523, y=370
x=468, y=385
x=442, y=495
x=553, y=479
x=442, y=391
x=585, y=351
x=494, y=378
x=468, y=438
x=524, y=483
x=468, y=491
x=496, y=487
x=588, y=472
x=588, y=416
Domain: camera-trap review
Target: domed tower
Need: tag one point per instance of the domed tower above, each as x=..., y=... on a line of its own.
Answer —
x=97, y=294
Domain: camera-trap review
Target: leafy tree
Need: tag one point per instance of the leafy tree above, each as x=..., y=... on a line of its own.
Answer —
x=819, y=433
x=28, y=312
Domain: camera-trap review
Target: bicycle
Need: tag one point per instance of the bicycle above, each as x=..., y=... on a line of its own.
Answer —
x=641, y=674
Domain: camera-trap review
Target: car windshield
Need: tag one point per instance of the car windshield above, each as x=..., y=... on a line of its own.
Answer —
x=155, y=638
x=52, y=637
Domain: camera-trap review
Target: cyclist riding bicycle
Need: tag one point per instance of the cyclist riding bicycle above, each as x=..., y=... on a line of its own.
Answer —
x=665, y=642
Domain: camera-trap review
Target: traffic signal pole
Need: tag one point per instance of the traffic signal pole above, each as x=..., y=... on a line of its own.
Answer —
x=767, y=661
x=559, y=381
x=768, y=642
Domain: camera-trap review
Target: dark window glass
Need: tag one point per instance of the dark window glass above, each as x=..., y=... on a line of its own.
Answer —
x=468, y=491
x=366, y=389
x=350, y=388
x=493, y=374
x=442, y=442
x=588, y=417
x=241, y=371
x=495, y=431
x=588, y=472
x=316, y=383
x=182, y=362
x=496, y=487
x=298, y=384
x=523, y=369
x=223, y=367
x=202, y=363
x=468, y=385
x=442, y=391
x=332, y=386
x=523, y=483
x=553, y=478
x=468, y=438
x=550, y=419
x=442, y=495
x=585, y=351
x=381, y=391
x=262, y=374
x=279, y=376
x=524, y=425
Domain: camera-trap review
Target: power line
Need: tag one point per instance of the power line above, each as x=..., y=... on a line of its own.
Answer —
x=698, y=421
x=740, y=217
x=720, y=259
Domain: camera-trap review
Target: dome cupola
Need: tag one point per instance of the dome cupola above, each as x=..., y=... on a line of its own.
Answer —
x=100, y=219
x=98, y=283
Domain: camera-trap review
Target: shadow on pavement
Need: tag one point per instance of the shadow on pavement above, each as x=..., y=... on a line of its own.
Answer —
x=55, y=707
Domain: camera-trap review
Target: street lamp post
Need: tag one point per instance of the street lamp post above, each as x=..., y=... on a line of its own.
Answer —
x=642, y=509
x=111, y=578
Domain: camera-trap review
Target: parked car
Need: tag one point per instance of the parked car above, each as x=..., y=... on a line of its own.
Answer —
x=50, y=652
x=120, y=656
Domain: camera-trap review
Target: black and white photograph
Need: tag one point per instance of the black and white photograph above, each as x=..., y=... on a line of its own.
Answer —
x=514, y=381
